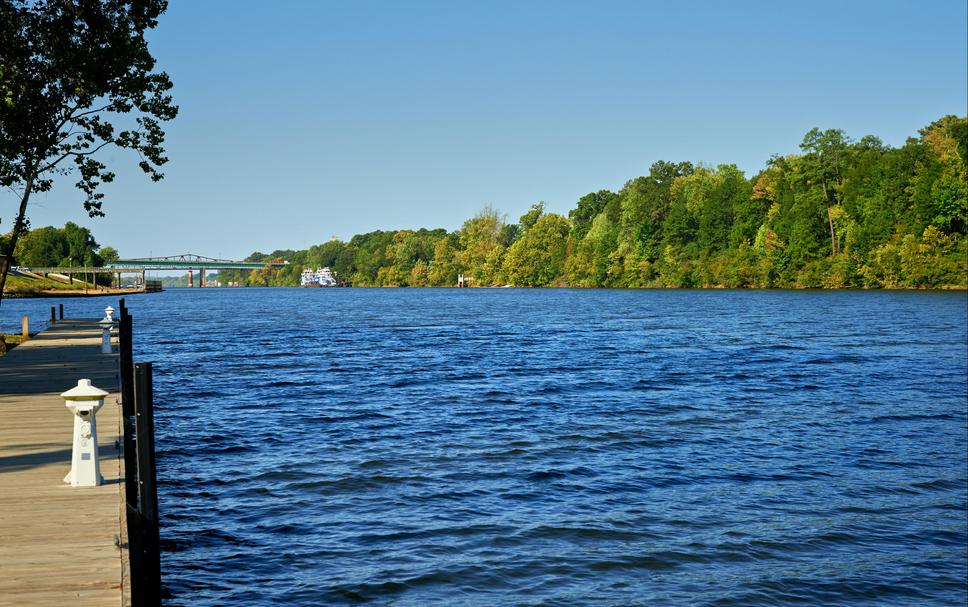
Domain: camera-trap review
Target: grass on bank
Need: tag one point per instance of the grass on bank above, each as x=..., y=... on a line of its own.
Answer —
x=19, y=286
x=9, y=341
x=27, y=286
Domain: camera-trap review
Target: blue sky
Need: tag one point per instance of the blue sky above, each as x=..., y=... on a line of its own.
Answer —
x=306, y=120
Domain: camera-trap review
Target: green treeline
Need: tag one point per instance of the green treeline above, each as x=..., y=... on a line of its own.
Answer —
x=841, y=213
x=65, y=247
x=70, y=246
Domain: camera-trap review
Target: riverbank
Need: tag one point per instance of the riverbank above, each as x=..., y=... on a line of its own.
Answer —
x=98, y=292
x=29, y=286
x=9, y=341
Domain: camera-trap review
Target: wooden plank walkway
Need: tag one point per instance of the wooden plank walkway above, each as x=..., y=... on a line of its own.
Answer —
x=58, y=544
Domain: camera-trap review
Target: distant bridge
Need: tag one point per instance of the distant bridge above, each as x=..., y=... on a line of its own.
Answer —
x=190, y=261
x=140, y=265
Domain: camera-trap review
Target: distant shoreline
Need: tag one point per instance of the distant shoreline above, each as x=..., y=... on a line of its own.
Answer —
x=68, y=293
x=719, y=288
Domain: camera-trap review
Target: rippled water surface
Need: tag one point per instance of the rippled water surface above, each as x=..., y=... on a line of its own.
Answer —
x=555, y=447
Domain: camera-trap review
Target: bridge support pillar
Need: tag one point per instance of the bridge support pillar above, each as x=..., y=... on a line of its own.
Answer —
x=191, y=279
x=201, y=277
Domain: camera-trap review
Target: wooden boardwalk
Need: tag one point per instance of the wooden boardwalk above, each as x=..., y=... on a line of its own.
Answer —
x=58, y=544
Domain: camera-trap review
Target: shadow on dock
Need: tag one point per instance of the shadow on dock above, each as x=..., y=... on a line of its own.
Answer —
x=57, y=358
x=33, y=456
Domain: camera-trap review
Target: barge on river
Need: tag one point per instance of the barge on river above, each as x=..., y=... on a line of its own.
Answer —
x=322, y=277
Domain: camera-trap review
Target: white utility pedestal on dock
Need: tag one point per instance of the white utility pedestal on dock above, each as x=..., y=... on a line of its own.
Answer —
x=106, y=324
x=84, y=400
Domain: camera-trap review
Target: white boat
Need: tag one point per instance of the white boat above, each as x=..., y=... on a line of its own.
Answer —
x=322, y=277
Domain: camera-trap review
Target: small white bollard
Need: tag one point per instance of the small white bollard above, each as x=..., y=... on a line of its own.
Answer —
x=106, y=324
x=84, y=400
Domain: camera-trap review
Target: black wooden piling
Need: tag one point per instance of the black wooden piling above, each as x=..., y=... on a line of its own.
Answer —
x=141, y=495
x=126, y=363
x=147, y=488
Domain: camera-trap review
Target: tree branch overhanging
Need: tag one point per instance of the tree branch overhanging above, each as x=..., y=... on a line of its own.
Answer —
x=56, y=70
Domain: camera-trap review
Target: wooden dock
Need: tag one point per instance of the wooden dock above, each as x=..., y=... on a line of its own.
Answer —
x=58, y=545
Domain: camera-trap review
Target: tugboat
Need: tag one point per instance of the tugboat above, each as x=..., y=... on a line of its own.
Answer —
x=322, y=277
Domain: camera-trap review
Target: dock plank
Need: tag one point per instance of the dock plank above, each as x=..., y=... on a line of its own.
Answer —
x=59, y=545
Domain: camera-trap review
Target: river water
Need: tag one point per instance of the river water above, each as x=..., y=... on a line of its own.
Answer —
x=556, y=447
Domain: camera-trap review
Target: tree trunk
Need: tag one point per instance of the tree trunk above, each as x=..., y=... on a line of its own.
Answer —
x=833, y=236
x=18, y=227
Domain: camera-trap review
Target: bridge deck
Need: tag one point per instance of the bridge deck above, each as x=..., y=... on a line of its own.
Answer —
x=131, y=266
x=83, y=270
x=193, y=265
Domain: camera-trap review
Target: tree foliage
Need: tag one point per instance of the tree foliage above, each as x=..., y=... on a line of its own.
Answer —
x=841, y=213
x=64, y=247
x=76, y=77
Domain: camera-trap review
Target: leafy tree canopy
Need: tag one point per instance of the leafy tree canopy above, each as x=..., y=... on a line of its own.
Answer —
x=64, y=247
x=840, y=213
x=76, y=77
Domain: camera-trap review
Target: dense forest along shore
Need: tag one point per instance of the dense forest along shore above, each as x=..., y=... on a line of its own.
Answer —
x=839, y=213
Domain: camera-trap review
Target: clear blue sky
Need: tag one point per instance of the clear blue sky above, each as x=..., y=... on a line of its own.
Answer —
x=304, y=120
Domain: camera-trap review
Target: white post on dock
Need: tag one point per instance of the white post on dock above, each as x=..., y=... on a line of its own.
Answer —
x=106, y=325
x=83, y=401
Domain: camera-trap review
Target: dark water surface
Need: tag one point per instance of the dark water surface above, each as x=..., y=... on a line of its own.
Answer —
x=556, y=447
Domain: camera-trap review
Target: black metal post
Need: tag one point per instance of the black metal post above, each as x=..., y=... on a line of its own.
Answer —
x=147, y=494
x=126, y=363
x=141, y=497
x=61, y=309
x=136, y=554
